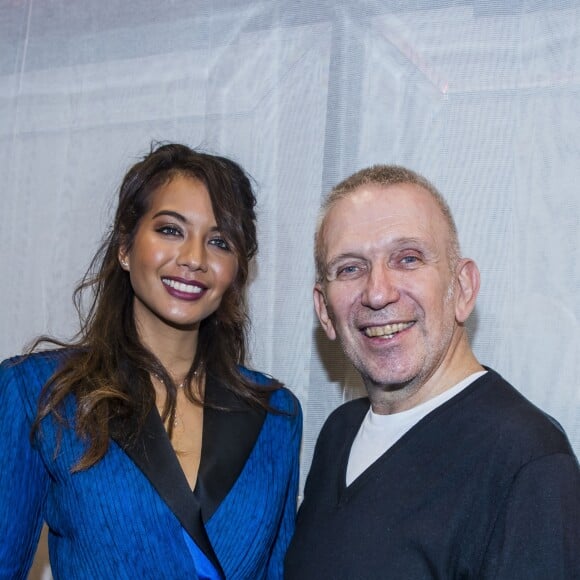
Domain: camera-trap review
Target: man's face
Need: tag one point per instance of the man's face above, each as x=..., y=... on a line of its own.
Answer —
x=389, y=293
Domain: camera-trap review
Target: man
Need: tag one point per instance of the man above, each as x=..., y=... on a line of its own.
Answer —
x=445, y=470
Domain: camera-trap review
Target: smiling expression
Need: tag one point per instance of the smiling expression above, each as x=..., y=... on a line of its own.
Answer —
x=180, y=264
x=389, y=291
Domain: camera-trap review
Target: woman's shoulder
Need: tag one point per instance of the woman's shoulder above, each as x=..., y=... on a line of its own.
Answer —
x=256, y=377
x=33, y=367
x=23, y=377
x=37, y=358
x=281, y=398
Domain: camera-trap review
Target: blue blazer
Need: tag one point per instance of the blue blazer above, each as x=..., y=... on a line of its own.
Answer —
x=133, y=515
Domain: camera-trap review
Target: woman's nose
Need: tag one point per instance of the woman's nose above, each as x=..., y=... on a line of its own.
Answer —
x=193, y=254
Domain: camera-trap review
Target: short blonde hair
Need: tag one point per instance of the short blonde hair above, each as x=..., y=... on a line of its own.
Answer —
x=384, y=175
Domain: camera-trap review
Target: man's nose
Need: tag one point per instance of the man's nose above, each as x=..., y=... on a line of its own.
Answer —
x=380, y=288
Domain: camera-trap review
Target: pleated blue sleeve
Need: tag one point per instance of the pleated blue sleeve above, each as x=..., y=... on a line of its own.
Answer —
x=23, y=478
x=286, y=530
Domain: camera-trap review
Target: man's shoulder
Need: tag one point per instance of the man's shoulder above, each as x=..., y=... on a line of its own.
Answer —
x=351, y=408
x=347, y=414
x=508, y=415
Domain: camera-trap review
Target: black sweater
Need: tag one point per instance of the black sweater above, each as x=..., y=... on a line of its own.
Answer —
x=486, y=486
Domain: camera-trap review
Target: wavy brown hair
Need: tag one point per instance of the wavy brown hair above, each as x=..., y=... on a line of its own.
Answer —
x=108, y=369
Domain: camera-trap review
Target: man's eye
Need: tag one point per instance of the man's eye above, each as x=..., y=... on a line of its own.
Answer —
x=410, y=261
x=220, y=243
x=347, y=272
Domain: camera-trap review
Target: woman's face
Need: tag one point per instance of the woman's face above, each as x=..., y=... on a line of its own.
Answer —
x=180, y=264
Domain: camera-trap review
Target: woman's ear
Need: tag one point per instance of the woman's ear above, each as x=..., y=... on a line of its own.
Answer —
x=123, y=257
x=468, y=281
x=322, y=312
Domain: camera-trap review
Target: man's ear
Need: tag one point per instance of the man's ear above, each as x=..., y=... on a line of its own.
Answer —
x=467, y=280
x=123, y=257
x=322, y=312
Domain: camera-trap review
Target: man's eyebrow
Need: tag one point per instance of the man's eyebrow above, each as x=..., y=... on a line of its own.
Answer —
x=341, y=257
x=395, y=245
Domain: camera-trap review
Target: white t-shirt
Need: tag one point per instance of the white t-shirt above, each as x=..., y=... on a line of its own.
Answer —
x=378, y=433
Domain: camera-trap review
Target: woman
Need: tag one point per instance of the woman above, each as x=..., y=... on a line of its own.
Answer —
x=144, y=445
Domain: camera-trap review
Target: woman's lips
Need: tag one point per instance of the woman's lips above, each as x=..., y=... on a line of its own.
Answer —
x=182, y=289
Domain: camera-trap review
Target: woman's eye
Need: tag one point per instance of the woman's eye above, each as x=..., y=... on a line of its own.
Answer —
x=170, y=230
x=220, y=243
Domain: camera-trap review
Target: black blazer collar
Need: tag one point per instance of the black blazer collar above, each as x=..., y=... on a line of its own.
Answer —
x=231, y=427
x=152, y=452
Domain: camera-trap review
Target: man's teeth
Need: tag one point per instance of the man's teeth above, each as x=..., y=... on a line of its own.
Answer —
x=181, y=287
x=387, y=330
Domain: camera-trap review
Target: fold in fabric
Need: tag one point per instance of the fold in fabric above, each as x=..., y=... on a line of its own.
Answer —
x=204, y=568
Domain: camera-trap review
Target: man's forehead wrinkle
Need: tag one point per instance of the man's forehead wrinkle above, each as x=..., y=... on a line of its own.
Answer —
x=384, y=225
x=353, y=211
x=361, y=202
x=389, y=240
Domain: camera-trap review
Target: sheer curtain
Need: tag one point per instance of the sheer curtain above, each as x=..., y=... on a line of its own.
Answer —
x=482, y=97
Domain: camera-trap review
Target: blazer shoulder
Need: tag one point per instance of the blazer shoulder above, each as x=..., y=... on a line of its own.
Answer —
x=34, y=367
x=23, y=377
x=257, y=377
x=282, y=398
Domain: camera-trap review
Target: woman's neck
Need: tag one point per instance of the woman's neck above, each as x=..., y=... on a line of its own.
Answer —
x=175, y=348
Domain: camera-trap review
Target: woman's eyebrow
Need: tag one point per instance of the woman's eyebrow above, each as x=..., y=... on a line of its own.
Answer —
x=171, y=213
x=180, y=217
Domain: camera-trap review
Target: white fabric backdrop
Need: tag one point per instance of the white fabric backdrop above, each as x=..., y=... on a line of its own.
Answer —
x=482, y=97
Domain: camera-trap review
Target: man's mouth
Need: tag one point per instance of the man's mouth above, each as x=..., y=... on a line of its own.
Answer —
x=182, y=287
x=386, y=331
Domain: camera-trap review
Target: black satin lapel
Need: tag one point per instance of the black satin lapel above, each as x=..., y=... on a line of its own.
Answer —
x=155, y=457
x=228, y=439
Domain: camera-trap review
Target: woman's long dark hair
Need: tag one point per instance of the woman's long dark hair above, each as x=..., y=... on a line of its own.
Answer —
x=108, y=370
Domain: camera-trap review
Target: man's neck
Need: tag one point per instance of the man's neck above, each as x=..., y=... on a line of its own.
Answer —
x=457, y=365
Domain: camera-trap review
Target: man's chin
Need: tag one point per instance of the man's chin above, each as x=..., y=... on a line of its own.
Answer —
x=391, y=382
